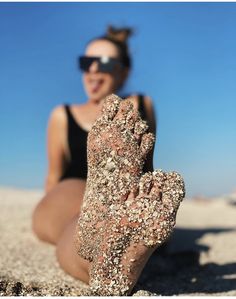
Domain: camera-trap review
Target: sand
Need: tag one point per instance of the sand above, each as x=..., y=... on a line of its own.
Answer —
x=199, y=259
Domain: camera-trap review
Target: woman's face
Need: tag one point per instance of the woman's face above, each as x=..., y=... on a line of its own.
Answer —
x=98, y=84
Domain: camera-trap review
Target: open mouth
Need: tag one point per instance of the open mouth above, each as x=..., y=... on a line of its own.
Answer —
x=95, y=84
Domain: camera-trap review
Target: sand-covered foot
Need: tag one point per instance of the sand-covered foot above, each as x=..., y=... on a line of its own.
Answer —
x=134, y=229
x=118, y=144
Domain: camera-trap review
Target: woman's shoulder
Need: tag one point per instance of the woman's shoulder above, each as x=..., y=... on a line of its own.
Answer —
x=144, y=104
x=143, y=96
x=59, y=112
x=136, y=98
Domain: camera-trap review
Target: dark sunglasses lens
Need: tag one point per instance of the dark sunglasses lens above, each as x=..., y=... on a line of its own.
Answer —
x=107, y=67
x=85, y=62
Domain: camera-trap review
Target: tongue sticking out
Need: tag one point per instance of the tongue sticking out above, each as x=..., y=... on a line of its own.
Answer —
x=95, y=85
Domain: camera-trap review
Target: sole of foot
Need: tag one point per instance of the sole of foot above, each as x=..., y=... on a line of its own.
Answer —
x=126, y=214
x=118, y=144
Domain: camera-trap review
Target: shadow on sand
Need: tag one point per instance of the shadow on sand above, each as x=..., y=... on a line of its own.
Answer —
x=175, y=268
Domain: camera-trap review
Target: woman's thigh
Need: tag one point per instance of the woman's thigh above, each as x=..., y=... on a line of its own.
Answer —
x=55, y=211
x=67, y=256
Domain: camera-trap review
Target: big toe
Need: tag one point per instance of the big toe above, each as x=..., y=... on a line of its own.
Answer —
x=111, y=106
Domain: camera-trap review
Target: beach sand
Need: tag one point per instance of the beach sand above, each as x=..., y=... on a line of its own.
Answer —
x=199, y=259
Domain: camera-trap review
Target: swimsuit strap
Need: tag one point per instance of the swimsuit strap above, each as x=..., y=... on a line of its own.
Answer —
x=141, y=107
x=70, y=117
x=77, y=143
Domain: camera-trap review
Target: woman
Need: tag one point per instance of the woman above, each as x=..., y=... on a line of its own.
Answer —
x=105, y=66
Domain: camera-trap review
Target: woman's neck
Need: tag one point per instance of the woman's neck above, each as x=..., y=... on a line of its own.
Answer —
x=96, y=103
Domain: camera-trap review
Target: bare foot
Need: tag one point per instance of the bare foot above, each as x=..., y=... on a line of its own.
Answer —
x=119, y=229
x=134, y=229
x=117, y=147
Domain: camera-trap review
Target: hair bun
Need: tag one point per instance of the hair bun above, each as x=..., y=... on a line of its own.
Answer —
x=120, y=35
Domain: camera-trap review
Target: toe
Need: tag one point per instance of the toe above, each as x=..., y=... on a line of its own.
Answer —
x=140, y=128
x=173, y=190
x=157, y=184
x=125, y=107
x=147, y=143
x=110, y=106
x=131, y=119
x=145, y=183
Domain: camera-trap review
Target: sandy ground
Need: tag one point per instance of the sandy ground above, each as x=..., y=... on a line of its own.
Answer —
x=199, y=259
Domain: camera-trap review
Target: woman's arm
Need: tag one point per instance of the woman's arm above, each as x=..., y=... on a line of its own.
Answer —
x=56, y=142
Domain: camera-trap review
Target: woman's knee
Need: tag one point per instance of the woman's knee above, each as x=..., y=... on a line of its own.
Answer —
x=56, y=209
x=41, y=222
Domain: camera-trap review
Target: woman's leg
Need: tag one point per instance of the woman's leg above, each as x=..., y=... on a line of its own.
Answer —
x=67, y=256
x=57, y=208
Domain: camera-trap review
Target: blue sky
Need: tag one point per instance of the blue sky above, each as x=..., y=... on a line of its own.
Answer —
x=184, y=58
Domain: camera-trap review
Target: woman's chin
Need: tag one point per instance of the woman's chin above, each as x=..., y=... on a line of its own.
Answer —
x=97, y=97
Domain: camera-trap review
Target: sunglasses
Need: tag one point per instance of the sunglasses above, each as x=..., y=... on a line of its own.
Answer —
x=105, y=64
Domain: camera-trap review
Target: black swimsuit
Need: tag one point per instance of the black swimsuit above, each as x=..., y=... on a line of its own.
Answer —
x=77, y=142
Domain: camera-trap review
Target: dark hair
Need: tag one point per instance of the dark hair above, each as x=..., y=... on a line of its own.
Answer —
x=119, y=38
